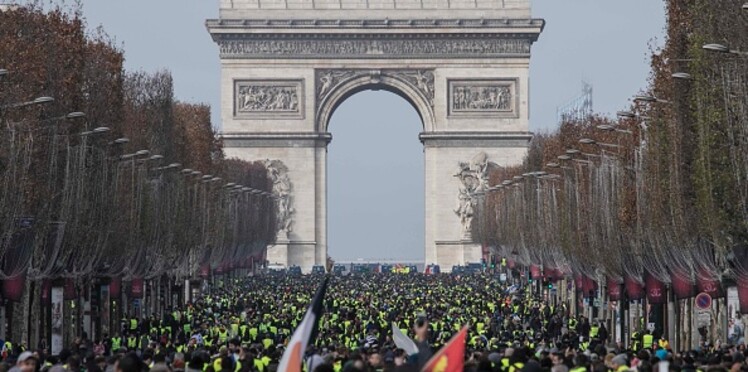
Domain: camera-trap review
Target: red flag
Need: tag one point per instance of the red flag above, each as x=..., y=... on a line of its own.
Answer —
x=655, y=289
x=535, y=272
x=682, y=284
x=13, y=287
x=743, y=294
x=588, y=286
x=706, y=282
x=614, y=289
x=451, y=358
x=204, y=271
x=115, y=288
x=634, y=289
x=136, y=288
x=552, y=274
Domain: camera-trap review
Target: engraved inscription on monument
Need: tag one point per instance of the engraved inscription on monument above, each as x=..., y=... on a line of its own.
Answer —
x=482, y=97
x=268, y=98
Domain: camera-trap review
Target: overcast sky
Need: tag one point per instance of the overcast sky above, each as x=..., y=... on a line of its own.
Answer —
x=376, y=198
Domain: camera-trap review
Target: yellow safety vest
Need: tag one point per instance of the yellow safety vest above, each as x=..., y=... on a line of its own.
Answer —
x=259, y=365
x=647, y=341
x=267, y=342
x=516, y=367
x=116, y=343
x=234, y=328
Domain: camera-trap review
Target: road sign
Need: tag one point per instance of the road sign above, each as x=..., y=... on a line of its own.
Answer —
x=703, y=318
x=703, y=301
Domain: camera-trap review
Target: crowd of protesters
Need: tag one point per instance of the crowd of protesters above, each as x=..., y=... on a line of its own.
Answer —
x=243, y=325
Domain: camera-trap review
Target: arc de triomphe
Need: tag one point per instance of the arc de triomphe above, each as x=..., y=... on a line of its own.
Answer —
x=463, y=65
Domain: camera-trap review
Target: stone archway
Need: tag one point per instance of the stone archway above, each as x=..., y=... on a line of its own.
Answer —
x=335, y=85
x=463, y=64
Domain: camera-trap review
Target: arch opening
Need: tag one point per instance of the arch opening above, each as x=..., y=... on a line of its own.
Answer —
x=373, y=88
x=418, y=100
x=375, y=148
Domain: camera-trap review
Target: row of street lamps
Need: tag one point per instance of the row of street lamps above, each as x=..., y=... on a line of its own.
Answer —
x=142, y=155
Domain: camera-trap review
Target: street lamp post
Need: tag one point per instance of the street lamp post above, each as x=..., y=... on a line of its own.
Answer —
x=721, y=48
x=589, y=141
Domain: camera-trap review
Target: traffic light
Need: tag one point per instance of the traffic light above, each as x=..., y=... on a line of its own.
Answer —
x=529, y=276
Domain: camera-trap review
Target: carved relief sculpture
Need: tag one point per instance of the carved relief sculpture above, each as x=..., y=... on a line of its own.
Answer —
x=473, y=178
x=255, y=97
x=421, y=80
x=278, y=173
x=329, y=79
x=482, y=97
x=366, y=47
x=485, y=98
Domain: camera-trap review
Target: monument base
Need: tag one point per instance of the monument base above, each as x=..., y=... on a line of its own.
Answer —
x=288, y=253
x=457, y=253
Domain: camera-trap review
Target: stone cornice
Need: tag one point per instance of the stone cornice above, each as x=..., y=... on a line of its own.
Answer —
x=275, y=139
x=222, y=25
x=476, y=139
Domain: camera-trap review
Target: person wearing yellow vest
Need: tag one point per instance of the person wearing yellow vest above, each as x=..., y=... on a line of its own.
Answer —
x=223, y=335
x=116, y=343
x=132, y=342
x=594, y=331
x=572, y=324
x=259, y=365
x=663, y=342
x=647, y=340
x=635, y=341
x=267, y=342
x=517, y=360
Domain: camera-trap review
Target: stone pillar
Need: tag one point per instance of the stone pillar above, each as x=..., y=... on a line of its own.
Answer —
x=320, y=254
x=304, y=157
x=449, y=158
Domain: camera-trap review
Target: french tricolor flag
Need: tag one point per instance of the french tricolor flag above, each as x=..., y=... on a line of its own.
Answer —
x=304, y=334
